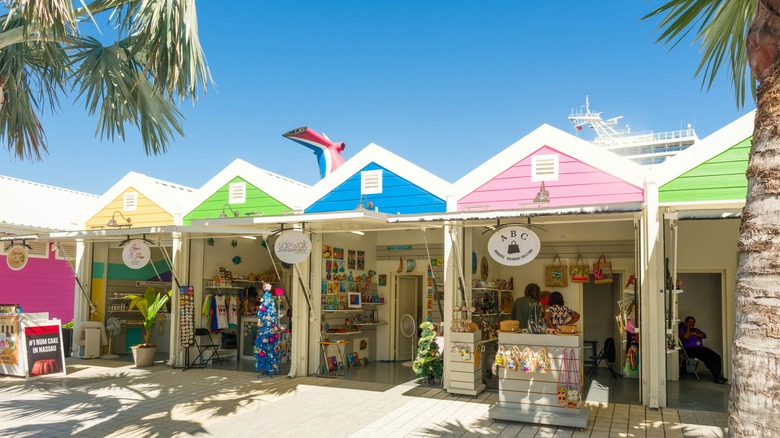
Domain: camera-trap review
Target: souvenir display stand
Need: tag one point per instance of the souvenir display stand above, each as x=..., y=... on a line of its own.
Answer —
x=463, y=361
x=532, y=397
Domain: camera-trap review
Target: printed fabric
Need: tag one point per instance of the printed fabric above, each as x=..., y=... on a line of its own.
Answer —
x=559, y=315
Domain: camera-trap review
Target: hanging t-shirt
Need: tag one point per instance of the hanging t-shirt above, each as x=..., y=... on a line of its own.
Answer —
x=222, y=318
x=232, y=309
x=205, y=311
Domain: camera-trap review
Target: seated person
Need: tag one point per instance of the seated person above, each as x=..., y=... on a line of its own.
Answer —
x=691, y=338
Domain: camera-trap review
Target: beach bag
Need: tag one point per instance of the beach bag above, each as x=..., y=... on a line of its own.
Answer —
x=510, y=357
x=602, y=271
x=573, y=392
x=580, y=271
x=527, y=361
x=557, y=275
x=562, y=380
x=500, y=356
x=542, y=361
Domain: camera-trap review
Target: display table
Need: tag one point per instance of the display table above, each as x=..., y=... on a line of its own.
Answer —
x=465, y=365
x=532, y=397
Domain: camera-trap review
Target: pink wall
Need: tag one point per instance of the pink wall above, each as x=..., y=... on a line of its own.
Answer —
x=44, y=285
x=578, y=184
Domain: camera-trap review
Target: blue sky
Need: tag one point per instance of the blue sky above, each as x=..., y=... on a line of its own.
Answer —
x=444, y=84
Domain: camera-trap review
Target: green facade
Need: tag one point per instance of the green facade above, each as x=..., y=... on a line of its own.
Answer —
x=257, y=201
x=721, y=178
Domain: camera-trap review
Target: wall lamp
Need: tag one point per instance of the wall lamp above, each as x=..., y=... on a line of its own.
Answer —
x=368, y=204
x=543, y=197
x=223, y=215
x=113, y=222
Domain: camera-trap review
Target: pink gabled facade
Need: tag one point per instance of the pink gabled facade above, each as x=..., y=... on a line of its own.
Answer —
x=44, y=285
x=577, y=183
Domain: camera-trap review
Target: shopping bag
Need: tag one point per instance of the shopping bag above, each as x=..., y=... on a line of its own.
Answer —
x=580, y=271
x=557, y=275
x=510, y=357
x=602, y=271
x=500, y=356
x=542, y=360
x=528, y=361
x=562, y=385
x=573, y=391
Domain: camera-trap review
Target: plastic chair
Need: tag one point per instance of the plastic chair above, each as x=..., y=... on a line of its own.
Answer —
x=607, y=354
x=206, y=351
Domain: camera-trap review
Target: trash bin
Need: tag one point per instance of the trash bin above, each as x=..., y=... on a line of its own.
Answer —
x=67, y=340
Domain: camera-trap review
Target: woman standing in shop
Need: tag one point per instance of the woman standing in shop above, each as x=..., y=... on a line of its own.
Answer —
x=557, y=314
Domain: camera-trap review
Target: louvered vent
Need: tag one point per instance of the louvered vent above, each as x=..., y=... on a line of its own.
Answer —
x=237, y=193
x=370, y=182
x=131, y=201
x=544, y=167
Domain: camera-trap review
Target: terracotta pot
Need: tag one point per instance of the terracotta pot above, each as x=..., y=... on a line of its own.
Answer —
x=143, y=356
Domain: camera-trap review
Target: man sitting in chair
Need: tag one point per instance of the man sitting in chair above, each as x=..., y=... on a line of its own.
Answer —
x=691, y=338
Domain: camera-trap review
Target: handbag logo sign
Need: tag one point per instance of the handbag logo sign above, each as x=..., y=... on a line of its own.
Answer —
x=514, y=246
x=292, y=247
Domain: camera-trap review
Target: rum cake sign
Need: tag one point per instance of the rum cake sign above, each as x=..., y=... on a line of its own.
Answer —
x=514, y=246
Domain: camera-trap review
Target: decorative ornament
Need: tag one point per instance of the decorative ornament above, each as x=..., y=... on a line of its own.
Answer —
x=236, y=260
x=233, y=243
x=210, y=242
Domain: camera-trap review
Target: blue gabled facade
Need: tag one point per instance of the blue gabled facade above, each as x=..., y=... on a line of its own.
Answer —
x=398, y=196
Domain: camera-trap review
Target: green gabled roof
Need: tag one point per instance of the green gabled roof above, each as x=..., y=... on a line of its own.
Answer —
x=721, y=178
x=257, y=202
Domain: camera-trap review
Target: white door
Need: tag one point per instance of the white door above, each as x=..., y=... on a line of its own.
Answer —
x=407, y=303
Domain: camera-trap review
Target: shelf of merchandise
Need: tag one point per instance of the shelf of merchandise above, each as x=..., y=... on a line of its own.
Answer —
x=342, y=333
x=371, y=323
x=342, y=311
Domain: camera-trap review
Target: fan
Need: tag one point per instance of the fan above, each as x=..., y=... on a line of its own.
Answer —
x=113, y=327
x=409, y=329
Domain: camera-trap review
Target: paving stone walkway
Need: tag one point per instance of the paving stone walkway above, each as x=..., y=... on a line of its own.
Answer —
x=102, y=398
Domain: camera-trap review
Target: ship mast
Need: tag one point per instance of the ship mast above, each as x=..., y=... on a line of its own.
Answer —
x=605, y=129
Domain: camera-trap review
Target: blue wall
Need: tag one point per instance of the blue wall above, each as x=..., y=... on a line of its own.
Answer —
x=398, y=196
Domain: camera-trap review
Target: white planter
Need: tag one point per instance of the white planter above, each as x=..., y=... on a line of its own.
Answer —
x=144, y=357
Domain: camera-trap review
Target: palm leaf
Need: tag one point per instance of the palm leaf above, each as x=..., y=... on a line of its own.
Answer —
x=720, y=26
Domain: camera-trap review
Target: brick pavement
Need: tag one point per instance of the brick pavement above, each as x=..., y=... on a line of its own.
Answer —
x=101, y=398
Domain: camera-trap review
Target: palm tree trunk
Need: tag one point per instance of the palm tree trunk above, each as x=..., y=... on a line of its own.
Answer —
x=754, y=402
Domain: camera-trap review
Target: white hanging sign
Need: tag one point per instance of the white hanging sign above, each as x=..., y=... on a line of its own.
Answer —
x=136, y=254
x=292, y=246
x=514, y=246
x=16, y=258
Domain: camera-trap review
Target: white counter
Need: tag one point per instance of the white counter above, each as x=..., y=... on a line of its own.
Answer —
x=532, y=397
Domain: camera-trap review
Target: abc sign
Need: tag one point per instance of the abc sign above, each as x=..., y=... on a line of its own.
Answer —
x=514, y=246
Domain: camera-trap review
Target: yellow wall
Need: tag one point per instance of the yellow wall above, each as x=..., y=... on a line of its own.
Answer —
x=147, y=213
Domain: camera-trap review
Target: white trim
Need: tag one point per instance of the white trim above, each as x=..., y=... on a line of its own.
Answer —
x=714, y=144
x=565, y=143
x=374, y=153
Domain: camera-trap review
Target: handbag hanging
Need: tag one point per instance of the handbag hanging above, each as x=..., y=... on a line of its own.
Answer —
x=580, y=271
x=500, y=356
x=602, y=271
x=557, y=275
x=562, y=385
x=528, y=361
x=573, y=393
x=542, y=360
x=510, y=357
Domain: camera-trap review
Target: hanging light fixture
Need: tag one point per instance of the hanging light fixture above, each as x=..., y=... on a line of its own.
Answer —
x=223, y=215
x=543, y=197
x=113, y=222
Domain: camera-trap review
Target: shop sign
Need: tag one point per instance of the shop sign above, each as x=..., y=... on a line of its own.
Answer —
x=136, y=254
x=16, y=258
x=514, y=246
x=292, y=247
x=45, y=355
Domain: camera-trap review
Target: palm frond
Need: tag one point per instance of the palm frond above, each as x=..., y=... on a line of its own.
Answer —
x=720, y=26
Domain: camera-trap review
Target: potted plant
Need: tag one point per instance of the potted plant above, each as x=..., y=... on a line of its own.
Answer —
x=149, y=305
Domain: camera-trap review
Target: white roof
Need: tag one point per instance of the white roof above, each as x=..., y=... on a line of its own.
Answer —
x=167, y=195
x=374, y=153
x=546, y=135
x=283, y=189
x=27, y=205
x=717, y=142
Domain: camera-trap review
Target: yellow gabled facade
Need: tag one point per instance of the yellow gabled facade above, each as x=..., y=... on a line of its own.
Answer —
x=132, y=204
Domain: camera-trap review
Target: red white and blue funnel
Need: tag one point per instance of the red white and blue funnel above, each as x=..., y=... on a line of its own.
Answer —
x=328, y=153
